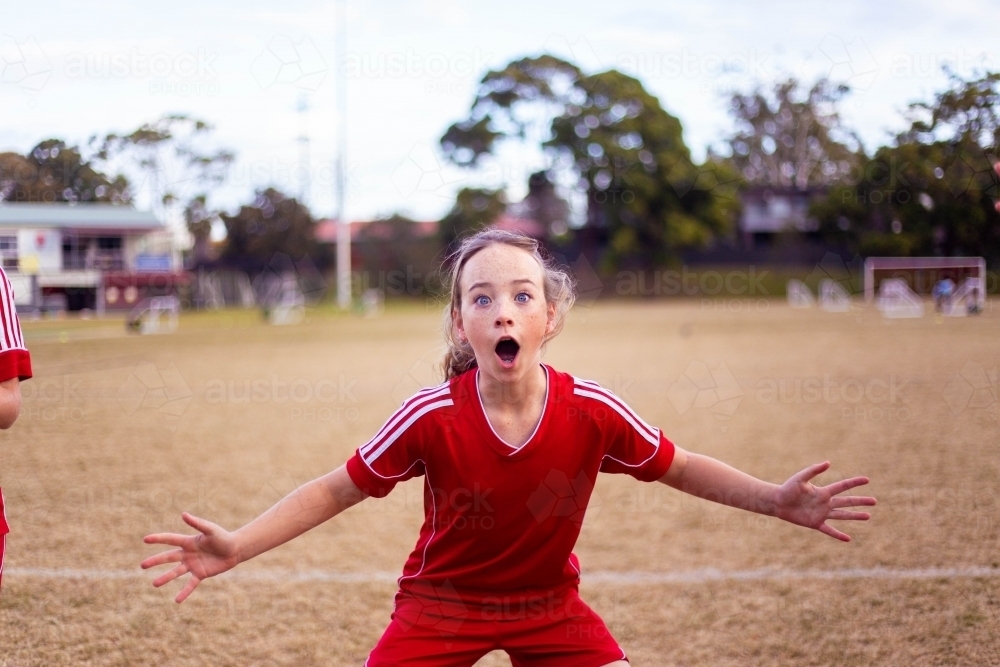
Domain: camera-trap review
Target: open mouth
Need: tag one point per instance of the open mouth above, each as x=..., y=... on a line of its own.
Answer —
x=507, y=349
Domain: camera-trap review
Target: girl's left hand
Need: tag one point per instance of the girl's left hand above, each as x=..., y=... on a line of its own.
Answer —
x=801, y=503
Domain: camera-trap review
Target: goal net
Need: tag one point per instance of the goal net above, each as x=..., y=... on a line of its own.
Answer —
x=921, y=274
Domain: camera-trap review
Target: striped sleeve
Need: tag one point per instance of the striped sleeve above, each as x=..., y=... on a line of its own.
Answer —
x=395, y=453
x=631, y=446
x=15, y=362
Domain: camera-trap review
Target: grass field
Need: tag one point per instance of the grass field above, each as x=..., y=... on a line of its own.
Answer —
x=120, y=433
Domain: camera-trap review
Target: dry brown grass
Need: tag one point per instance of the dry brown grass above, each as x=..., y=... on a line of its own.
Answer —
x=93, y=465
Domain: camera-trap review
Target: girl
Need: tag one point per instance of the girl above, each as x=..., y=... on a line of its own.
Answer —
x=15, y=367
x=509, y=449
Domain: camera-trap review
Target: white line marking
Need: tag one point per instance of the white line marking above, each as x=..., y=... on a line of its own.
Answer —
x=596, y=577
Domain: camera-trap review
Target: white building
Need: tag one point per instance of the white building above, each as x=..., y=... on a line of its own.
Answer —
x=83, y=254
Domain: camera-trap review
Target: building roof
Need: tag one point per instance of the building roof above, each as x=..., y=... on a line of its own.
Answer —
x=78, y=216
x=527, y=226
x=326, y=229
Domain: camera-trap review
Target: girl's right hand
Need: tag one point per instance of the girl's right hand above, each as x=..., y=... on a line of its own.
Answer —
x=212, y=552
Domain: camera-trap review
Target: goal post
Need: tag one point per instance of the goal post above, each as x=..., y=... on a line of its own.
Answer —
x=921, y=273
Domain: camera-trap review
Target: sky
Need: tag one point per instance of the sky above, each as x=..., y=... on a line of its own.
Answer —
x=411, y=70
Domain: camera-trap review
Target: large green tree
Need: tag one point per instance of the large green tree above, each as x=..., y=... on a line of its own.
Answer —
x=646, y=198
x=792, y=136
x=273, y=224
x=474, y=209
x=933, y=191
x=55, y=172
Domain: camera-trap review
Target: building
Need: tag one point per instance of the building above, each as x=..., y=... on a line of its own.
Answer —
x=769, y=211
x=86, y=256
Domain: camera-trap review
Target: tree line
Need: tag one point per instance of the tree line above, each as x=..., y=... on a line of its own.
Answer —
x=932, y=189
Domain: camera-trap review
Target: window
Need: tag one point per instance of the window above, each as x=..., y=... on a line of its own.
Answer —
x=8, y=252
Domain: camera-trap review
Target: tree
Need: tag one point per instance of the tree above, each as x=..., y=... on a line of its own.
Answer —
x=518, y=101
x=933, y=191
x=792, y=137
x=646, y=198
x=55, y=172
x=645, y=195
x=273, y=224
x=198, y=219
x=174, y=164
x=474, y=209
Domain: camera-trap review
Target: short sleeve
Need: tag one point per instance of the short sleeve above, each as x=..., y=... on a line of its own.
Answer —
x=15, y=361
x=395, y=454
x=631, y=446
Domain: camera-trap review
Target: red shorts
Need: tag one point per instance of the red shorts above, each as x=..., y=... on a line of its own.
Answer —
x=557, y=631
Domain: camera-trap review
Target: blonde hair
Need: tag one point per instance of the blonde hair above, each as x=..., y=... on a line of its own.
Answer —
x=558, y=286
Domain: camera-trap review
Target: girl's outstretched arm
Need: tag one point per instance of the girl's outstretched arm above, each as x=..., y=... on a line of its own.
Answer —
x=796, y=501
x=215, y=550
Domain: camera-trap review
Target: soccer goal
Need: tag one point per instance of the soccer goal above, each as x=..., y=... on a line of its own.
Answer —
x=920, y=274
x=155, y=315
x=833, y=297
x=799, y=295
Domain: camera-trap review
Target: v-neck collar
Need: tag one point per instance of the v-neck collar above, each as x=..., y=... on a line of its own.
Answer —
x=502, y=447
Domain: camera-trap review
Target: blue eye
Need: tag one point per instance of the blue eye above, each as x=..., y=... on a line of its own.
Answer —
x=525, y=299
x=479, y=299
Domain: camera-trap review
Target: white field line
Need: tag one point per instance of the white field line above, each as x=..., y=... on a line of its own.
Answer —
x=596, y=577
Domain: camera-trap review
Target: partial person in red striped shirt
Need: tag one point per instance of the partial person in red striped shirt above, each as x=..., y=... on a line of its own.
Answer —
x=509, y=450
x=15, y=367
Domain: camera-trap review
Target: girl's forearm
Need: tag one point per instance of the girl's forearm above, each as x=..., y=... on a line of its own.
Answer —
x=711, y=479
x=304, y=508
x=10, y=402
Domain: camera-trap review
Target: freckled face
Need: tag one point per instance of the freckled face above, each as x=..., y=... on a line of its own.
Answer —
x=503, y=311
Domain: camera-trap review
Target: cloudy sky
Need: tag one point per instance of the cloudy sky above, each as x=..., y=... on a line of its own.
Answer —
x=411, y=70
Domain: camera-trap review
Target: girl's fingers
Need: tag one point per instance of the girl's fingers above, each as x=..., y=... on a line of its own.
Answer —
x=188, y=589
x=845, y=514
x=172, y=539
x=851, y=501
x=171, y=575
x=845, y=484
x=812, y=471
x=174, y=556
x=199, y=524
x=833, y=532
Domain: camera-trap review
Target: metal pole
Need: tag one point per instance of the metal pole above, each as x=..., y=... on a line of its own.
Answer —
x=343, y=226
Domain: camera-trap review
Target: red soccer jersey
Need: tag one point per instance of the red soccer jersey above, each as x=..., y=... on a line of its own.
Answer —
x=15, y=362
x=499, y=519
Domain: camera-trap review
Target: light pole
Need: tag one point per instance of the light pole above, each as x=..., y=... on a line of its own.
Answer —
x=343, y=226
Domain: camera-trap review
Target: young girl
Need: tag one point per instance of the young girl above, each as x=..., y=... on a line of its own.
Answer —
x=509, y=449
x=15, y=367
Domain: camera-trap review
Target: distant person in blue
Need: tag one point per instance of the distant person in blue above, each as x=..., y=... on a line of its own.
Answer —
x=943, y=289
